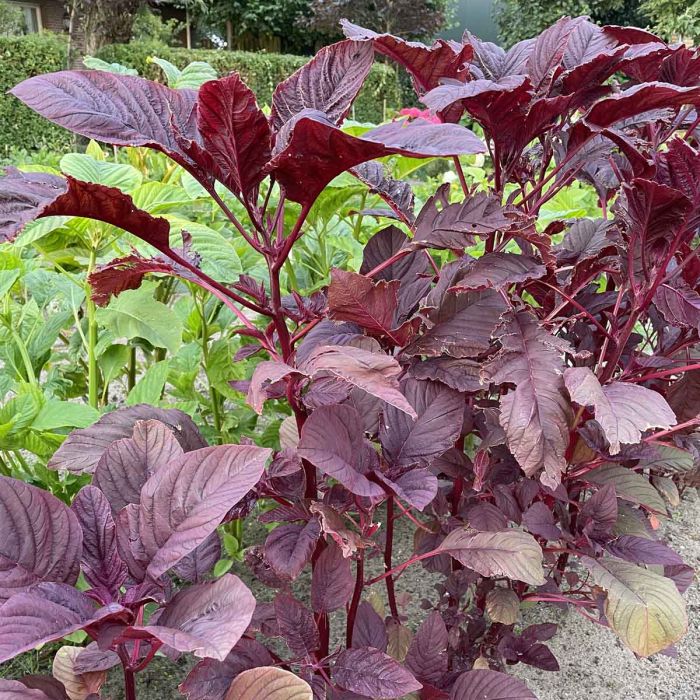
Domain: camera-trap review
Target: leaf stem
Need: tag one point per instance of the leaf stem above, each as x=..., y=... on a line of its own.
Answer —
x=388, y=551
x=356, y=596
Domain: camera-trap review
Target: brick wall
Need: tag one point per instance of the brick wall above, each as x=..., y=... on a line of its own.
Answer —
x=52, y=15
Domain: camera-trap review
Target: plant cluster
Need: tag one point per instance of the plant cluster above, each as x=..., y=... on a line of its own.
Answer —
x=520, y=387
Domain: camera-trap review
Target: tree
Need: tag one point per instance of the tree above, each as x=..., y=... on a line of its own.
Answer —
x=94, y=23
x=521, y=19
x=674, y=19
x=416, y=20
x=11, y=19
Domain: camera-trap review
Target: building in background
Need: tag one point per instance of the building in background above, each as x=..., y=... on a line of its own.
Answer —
x=43, y=15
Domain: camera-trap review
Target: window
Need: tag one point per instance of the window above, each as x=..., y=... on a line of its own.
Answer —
x=32, y=17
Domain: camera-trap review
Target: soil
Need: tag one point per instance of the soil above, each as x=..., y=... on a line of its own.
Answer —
x=594, y=664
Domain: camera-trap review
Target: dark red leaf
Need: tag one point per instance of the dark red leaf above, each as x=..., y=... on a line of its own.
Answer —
x=396, y=193
x=332, y=582
x=370, y=672
x=288, y=548
x=235, y=133
x=427, y=654
x=369, y=629
x=489, y=685
x=296, y=625
x=328, y=83
x=28, y=196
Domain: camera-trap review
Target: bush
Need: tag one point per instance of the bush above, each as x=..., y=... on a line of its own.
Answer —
x=261, y=71
x=22, y=57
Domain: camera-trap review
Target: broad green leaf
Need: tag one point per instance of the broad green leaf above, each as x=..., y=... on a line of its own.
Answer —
x=136, y=314
x=160, y=197
x=268, y=683
x=64, y=414
x=219, y=257
x=94, y=150
x=645, y=609
x=669, y=459
x=7, y=279
x=83, y=167
x=629, y=486
x=113, y=361
x=509, y=553
x=191, y=76
x=150, y=387
x=98, y=64
x=36, y=230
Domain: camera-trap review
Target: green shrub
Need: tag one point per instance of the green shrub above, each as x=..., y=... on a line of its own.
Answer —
x=261, y=71
x=22, y=57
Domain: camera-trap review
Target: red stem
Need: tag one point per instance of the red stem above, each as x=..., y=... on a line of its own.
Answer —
x=398, y=569
x=388, y=551
x=356, y=596
x=667, y=372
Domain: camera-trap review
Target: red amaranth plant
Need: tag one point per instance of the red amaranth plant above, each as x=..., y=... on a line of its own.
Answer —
x=526, y=398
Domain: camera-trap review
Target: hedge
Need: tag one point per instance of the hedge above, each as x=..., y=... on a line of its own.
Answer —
x=20, y=58
x=379, y=98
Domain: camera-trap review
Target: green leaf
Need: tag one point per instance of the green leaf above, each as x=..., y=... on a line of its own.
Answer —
x=192, y=76
x=83, y=167
x=160, y=197
x=98, y=64
x=113, y=361
x=221, y=567
x=629, y=486
x=136, y=314
x=64, y=414
x=644, y=609
x=150, y=387
x=219, y=257
x=669, y=459
x=36, y=230
x=7, y=279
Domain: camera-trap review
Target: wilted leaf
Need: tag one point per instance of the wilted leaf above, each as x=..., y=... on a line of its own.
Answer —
x=269, y=683
x=503, y=605
x=78, y=685
x=643, y=608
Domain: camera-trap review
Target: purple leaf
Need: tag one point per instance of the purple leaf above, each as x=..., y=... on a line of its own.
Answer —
x=641, y=550
x=358, y=299
x=535, y=415
x=198, y=563
x=101, y=563
x=370, y=672
x=82, y=449
x=461, y=327
x=372, y=372
x=396, y=193
x=489, y=685
x=629, y=486
x=296, y=625
x=548, y=52
x=42, y=538
x=332, y=582
x=47, y=612
x=207, y=619
x=128, y=463
x=418, y=487
x=680, y=307
x=539, y=520
x=509, y=553
x=28, y=196
x=288, y=548
x=345, y=456
x=585, y=240
x=235, y=133
x=486, y=518
x=460, y=374
x=427, y=654
x=119, y=109
x=185, y=501
x=14, y=690
x=496, y=270
x=411, y=270
x=623, y=410
x=599, y=513
x=210, y=679
x=265, y=373
x=426, y=64
x=369, y=629
x=328, y=83
x=440, y=413
x=311, y=150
